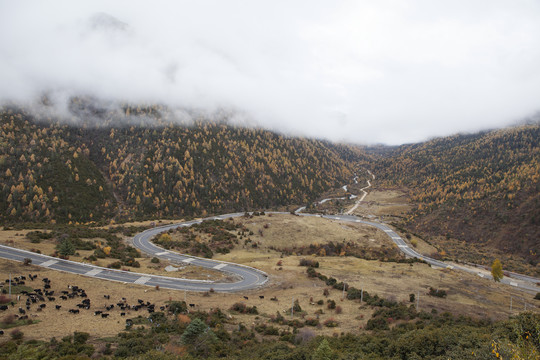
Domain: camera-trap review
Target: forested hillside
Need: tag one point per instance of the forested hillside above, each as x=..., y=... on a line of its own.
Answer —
x=51, y=171
x=483, y=188
x=126, y=162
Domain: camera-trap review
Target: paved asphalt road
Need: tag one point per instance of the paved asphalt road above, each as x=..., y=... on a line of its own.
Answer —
x=517, y=280
x=247, y=277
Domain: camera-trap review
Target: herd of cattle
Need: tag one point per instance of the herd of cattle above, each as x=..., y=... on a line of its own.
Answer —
x=36, y=300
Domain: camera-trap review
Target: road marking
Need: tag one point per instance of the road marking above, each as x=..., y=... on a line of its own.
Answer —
x=388, y=231
x=188, y=260
x=396, y=238
x=48, y=263
x=93, y=272
x=450, y=267
x=220, y=266
x=142, y=280
x=357, y=220
x=481, y=275
x=402, y=246
x=513, y=283
x=162, y=253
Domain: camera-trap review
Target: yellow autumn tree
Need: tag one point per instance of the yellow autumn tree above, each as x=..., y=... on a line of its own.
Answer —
x=497, y=270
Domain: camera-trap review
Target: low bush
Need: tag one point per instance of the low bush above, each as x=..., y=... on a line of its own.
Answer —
x=331, y=304
x=115, y=265
x=312, y=322
x=244, y=309
x=437, y=292
x=177, y=307
x=330, y=323
x=377, y=323
x=16, y=334
x=309, y=262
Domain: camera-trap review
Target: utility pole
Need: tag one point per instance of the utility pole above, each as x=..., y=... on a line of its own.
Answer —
x=9, y=286
x=292, y=308
x=343, y=296
x=362, y=295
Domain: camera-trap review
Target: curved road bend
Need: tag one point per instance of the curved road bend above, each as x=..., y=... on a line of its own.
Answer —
x=250, y=278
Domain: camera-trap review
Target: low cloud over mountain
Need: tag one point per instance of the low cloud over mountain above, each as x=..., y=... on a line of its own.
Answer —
x=356, y=71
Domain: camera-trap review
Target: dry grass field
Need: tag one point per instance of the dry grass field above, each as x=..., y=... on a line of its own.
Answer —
x=467, y=294
x=384, y=202
x=286, y=231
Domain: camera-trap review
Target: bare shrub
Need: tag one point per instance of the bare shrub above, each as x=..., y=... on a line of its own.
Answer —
x=304, y=335
x=17, y=334
x=8, y=319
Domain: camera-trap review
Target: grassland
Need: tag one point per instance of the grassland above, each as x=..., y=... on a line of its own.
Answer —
x=467, y=294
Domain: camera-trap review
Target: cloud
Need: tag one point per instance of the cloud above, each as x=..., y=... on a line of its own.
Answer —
x=358, y=71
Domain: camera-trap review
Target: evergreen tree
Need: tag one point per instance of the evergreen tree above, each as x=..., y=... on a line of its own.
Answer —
x=199, y=337
x=194, y=329
x=66, y=248
x=324, y=352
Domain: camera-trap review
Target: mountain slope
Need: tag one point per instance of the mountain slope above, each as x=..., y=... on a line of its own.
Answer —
x=481, y=188
x=75, y=173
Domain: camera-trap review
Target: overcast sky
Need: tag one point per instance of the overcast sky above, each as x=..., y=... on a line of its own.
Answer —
x=360, y=71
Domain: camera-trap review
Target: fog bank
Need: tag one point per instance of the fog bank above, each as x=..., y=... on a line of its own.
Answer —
x=358, y=71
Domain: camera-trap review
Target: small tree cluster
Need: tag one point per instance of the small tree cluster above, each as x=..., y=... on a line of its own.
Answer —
x=437, y=292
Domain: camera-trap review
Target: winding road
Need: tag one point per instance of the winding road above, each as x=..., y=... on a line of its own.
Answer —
x=247, y=277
